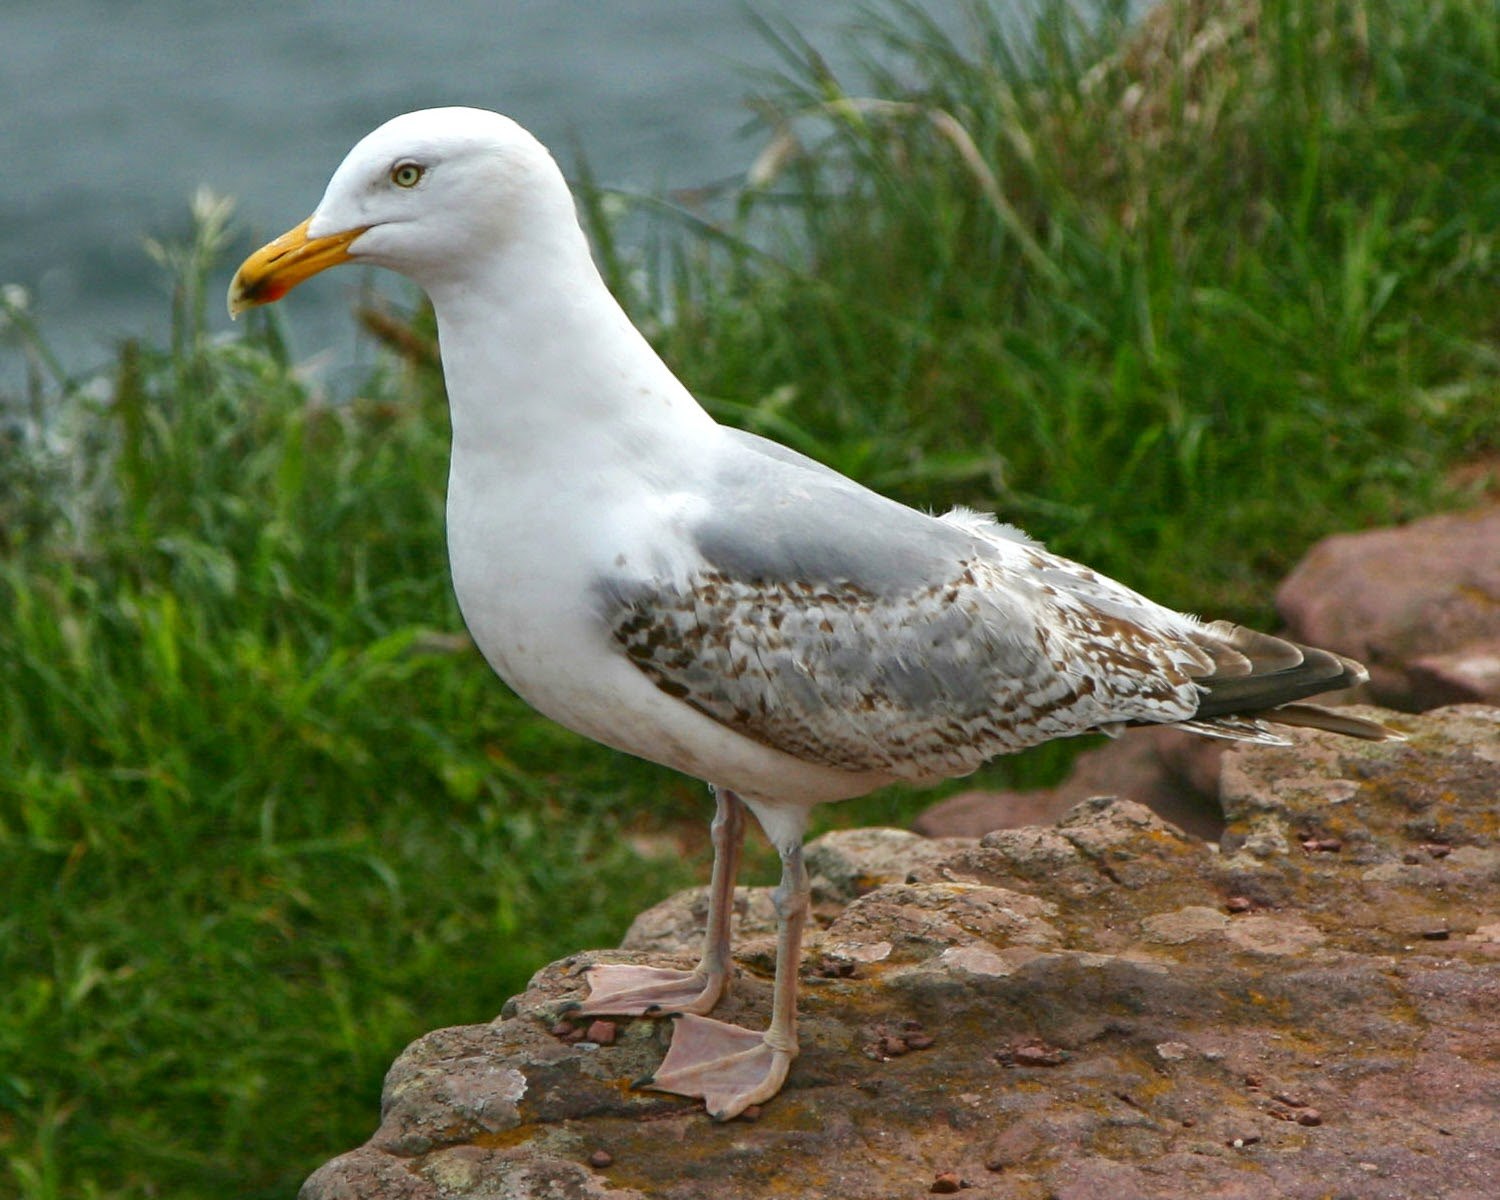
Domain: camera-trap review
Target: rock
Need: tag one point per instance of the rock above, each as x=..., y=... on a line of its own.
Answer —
x=1470, y=675
x=1427, y=592
x=1070, y=1011
x=675, y=926
x=848, y=864
x=1173, y=773
x=1386, y=810
x=842, y=865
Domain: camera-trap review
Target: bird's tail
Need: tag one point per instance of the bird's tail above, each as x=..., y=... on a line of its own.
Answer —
x=1258, y=680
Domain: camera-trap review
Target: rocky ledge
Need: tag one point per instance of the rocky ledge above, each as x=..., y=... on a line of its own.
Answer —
x=1102, y=1007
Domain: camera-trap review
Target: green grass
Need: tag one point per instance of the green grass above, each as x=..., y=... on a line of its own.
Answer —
x=1180, y=299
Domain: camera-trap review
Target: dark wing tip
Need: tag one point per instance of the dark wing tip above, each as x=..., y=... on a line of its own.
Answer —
x=1281, y=672
x=1313, y=716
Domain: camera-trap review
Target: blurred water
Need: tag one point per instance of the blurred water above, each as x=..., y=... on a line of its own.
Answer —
x=116, y=110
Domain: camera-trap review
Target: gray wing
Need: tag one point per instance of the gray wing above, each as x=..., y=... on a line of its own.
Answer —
x=846, y=629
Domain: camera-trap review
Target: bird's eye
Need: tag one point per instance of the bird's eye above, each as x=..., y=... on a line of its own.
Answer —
x=406, y=174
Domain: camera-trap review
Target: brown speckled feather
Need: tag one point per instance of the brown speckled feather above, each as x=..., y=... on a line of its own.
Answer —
x=920, y=647
x=922, y=685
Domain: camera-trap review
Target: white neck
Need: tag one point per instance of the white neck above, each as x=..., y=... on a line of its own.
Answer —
x=539, y=311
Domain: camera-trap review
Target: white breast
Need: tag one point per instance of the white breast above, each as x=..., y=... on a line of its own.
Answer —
x=526, y=572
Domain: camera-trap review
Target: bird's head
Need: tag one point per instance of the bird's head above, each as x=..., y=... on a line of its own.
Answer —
x=427, y=194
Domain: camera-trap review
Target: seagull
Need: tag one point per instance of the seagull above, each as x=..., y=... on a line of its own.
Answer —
x=715, y=602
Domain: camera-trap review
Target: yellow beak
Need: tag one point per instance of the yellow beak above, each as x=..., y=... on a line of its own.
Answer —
x=279, y=266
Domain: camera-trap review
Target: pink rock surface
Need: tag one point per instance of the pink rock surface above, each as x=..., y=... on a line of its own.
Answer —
x=1104, y=1007
x=1389, y=597
x=1174, y=774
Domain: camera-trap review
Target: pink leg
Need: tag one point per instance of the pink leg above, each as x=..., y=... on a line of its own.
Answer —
x=631, y=991
x=732, y=1068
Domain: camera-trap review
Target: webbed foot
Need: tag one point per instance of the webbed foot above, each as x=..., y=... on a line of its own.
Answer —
x=727, y=1067
x=624, y=990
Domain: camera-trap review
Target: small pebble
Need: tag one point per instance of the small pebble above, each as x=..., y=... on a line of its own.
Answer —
x=893, y=1047
x=1253, y=1081
x=1323, y=845
x=1437, y=849
x=602, y=1032
x=1239, y=904
x=1438, y=934
x=1038, y=1055
x=601, y=1159
x=947, y=1183
x=1290, y=1101
x=1240, y=1143
x=1309, y=1116
x=918, y=1041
